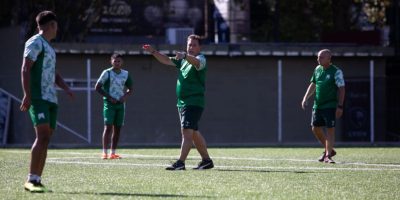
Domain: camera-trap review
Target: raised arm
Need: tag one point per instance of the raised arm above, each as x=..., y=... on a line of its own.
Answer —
x=159, y=56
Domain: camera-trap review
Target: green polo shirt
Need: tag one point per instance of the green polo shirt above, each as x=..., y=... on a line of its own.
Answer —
x=190, y=86
x=327, y=82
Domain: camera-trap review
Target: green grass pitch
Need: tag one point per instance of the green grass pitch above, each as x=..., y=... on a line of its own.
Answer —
x=239, y=173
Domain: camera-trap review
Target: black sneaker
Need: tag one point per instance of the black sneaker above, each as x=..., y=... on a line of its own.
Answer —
x=205, y=164
x=322, y=157
x=35, y=187
x=328, y=159
x=178, y=165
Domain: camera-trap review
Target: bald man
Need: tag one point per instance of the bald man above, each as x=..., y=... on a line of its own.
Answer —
x=326, y=81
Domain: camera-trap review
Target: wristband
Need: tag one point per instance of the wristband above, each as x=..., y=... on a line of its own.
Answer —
x=340, y=106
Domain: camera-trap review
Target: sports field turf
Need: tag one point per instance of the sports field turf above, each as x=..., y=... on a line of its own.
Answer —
x=240, y=173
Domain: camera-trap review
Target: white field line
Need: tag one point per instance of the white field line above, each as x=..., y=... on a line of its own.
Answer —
x=233, y=167
x=238, y=158
x=197, y=157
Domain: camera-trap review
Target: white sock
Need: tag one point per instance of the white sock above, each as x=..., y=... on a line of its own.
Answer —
x=105, y=151
x=112, y=151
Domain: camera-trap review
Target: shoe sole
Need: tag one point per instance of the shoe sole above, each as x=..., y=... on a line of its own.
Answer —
x=34, y=191
x=173, y=169
x=208, y=166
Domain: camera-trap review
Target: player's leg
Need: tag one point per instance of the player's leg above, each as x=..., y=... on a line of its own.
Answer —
x=201, y=146
x=330, y=121
x=106, y=139
x=319, y=134
x=109, y=115
x=330, y=140
x=187, y=138
x=318, y=124
x=53, y=110
x=117, y=125
x=39, y=148
x=114, y=142
x=40, y=115
x=187, y=143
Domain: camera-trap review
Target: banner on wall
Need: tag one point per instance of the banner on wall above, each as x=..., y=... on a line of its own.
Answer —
x=356, y=115
x=143, y=17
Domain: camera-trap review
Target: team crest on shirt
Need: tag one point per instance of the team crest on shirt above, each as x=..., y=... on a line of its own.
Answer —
x=328, y=76
x=41, y=116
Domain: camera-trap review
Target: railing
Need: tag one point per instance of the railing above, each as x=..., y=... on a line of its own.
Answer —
x=6, y=121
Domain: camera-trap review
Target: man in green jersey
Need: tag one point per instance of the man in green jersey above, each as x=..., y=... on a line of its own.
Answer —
x=326, y=81
x=114, y=84
x=38, y=77
x=190, y=89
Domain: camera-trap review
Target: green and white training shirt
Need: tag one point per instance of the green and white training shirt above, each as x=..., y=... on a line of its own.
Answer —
x=327, y=82
x=190, y=86
x=43, y=71
x=114, y=83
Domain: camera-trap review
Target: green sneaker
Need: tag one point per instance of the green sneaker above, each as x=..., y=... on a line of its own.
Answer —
x=35, y=187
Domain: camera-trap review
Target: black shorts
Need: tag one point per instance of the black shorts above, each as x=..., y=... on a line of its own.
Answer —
x=190, y=116
x=324, y=117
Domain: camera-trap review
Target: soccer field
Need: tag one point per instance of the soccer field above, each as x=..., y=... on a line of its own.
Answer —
x=239, y=173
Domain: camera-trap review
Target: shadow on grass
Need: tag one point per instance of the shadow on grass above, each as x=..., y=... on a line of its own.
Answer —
x=268, y=171
x=135, y=194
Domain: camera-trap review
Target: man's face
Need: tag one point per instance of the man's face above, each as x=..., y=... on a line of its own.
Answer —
x=53, y=27
x=193, y=47
x=324, y=58
x=116, y=62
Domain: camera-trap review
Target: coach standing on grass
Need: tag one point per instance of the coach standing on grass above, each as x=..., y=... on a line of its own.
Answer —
x=190, y=90
x=328, y=102
x=38, y=77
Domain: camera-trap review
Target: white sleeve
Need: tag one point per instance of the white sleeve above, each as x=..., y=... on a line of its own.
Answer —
x=202, y=60
x=339, y=80
x=103, y=77
x=33, y=49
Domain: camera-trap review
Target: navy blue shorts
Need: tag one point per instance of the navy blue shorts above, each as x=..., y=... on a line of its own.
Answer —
x=190, y=117
x=324, y=117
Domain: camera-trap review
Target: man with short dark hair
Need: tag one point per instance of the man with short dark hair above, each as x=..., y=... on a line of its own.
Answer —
x=190, y=90
x=38, y=77
x=328, y=84
x=115, y=85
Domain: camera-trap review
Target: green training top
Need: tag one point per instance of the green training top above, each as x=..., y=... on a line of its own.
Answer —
x=327, y=82
x=114, y=83
x=43, y=71
x=190, y=86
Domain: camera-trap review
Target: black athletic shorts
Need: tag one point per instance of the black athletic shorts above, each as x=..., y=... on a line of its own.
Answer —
x=324, y=117
x=190, y=116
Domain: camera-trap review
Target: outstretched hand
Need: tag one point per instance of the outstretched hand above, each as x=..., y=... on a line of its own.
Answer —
x=180, y=55
x=148, y=48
